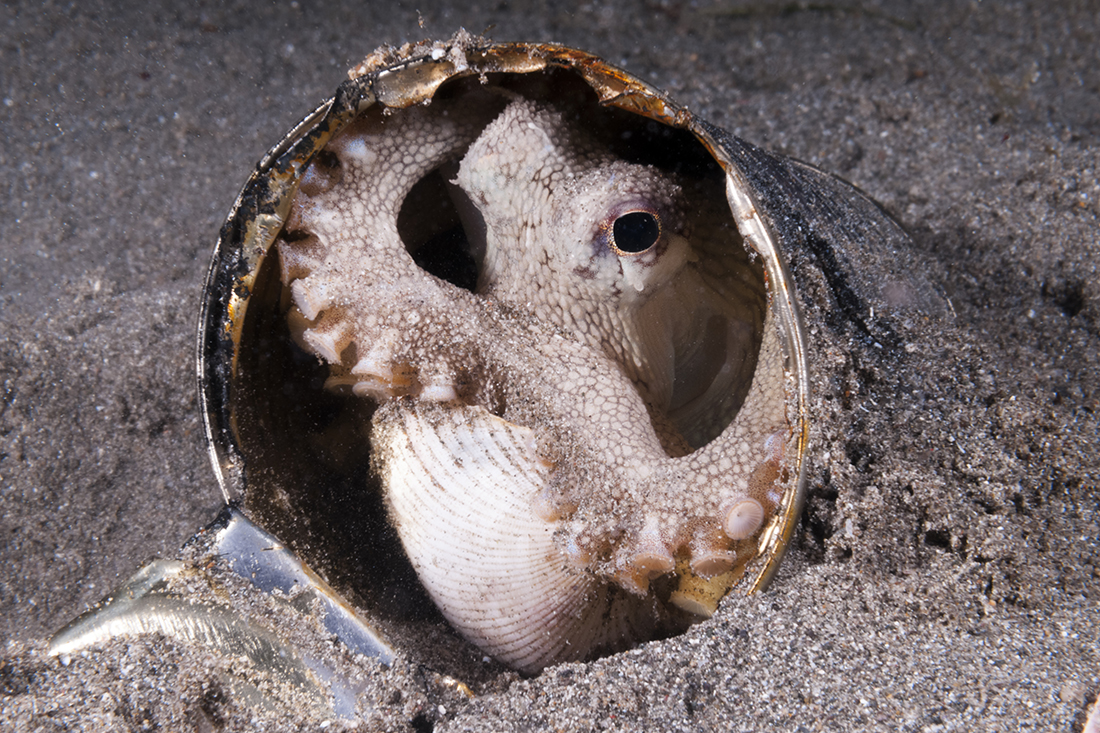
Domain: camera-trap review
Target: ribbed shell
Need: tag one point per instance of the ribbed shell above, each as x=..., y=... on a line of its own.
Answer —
x=460, y=483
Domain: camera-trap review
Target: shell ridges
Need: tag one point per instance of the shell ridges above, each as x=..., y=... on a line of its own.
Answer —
x=462, y=493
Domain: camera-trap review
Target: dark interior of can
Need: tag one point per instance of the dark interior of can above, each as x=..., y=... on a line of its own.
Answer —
x=306, y=450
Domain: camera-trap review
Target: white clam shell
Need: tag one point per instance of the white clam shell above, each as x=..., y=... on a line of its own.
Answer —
x=461, y=484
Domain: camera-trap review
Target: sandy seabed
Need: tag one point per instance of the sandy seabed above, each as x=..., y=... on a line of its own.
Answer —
x=944, y=576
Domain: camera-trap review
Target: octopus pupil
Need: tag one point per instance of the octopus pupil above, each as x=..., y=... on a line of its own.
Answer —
x=636, y=232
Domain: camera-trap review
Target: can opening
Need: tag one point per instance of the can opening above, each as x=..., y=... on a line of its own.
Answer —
x=307, y=449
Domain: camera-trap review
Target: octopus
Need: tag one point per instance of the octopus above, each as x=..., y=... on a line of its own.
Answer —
x=582, y=444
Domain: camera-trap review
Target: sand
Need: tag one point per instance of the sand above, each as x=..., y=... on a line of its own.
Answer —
x=944, y=576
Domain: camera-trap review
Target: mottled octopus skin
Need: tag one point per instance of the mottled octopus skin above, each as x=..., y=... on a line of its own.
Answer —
x=547, y=409
x=541, y=182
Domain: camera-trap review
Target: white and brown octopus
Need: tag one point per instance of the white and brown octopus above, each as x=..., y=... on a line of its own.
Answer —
x=601, y=414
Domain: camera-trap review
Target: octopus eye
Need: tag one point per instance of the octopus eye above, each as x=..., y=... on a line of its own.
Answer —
x=635, y=232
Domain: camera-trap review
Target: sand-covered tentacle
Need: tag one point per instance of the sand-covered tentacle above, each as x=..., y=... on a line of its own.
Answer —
x=342, y=256
x=705, y=507
x=742, y=467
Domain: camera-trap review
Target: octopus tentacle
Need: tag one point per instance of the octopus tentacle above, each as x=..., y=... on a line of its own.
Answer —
x=562, y=422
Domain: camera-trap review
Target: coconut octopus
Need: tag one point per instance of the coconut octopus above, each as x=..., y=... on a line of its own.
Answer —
x=601, y=416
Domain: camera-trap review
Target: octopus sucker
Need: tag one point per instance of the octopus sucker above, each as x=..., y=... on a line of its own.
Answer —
x=744, y=518
x=297, y=258
x=328, y=337
x=708, y=555
x=311, y=298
